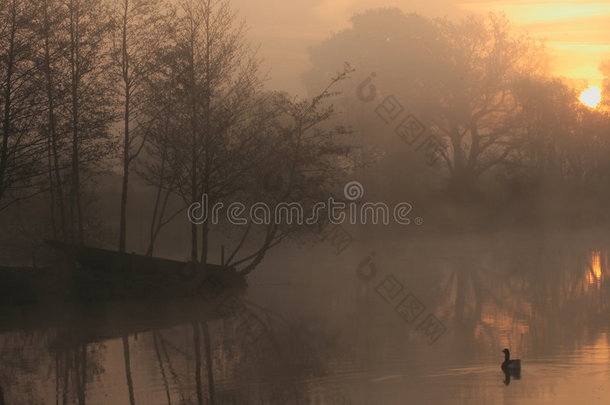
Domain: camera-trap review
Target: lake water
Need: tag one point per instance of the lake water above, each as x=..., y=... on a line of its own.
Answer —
x=407, y=319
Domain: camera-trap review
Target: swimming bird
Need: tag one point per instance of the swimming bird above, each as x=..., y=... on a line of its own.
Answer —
x=509, y=364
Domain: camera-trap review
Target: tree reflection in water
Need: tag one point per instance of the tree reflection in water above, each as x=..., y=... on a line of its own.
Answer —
x=209, y=360
x=530, y=293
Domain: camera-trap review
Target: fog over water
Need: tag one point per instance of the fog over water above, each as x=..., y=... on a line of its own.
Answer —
x=311, y=203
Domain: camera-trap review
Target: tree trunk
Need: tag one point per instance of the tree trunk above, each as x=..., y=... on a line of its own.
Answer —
x=123, y=225
x=53, y=152
x=126, y=139
x=51, y=191
x=77, y=216
x=205, y=231
x=6, y=130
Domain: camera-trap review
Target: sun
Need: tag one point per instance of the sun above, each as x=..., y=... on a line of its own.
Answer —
x=591, y=97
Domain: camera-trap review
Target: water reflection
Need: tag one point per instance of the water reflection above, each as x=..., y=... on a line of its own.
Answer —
x=596, y=270
x=508, y=374
x=544, y=298
x=133, y=352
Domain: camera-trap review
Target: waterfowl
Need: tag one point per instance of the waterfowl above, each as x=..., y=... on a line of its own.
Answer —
x=509, y=364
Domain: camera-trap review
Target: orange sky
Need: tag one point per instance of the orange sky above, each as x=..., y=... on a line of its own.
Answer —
x=577, y=33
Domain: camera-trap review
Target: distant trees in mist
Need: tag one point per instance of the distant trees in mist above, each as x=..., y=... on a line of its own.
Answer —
x=486, y=91
x=172, y=92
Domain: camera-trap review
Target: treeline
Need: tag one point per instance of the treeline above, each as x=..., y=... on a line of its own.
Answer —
x=466, y=114
x=168, y=90
x=509, y=133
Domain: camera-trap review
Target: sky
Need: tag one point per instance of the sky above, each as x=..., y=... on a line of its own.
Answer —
x=576, y=32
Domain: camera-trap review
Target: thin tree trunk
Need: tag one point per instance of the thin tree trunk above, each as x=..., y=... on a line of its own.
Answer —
x=260, y=255
x=123, y=226
x=74, y=66
x=195, y=141
x=51, y=192
x=205, y=230
x=52, y=123
x=194, y=198
x=6, y=121
x=126, y=139
x=155, y=226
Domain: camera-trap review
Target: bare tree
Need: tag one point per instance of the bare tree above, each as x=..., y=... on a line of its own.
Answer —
x=49, y=22
x=310, y=155
x=209, y=79
x=21, y=147
x=218, y=134
x=456, y=77
x=155, y=170
x=89, y=99
x=470, y=101
x=140, y=32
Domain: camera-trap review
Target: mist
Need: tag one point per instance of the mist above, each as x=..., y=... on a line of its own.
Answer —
x=350, y=202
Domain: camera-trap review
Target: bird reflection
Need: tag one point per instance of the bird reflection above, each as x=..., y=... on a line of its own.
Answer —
x=510, y=373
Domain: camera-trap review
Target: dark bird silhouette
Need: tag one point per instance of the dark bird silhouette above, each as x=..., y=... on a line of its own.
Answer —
x=511, y=368
x=509, y=364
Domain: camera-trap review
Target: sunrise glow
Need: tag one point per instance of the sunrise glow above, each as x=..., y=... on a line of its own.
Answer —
x=591, y=97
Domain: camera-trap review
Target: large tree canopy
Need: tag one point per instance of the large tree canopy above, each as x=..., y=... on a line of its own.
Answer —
x=458, y=78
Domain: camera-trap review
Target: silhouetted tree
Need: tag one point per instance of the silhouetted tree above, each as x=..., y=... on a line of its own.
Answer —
x=49, y=22
x=22, y=149
x=455, y=77
x=471, y=101
x=548, y=117
x=89, y=103
x=140, y=30
x=308, y=156
x=204, y=92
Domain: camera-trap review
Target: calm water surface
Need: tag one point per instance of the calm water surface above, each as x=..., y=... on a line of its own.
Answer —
x=351, y=328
